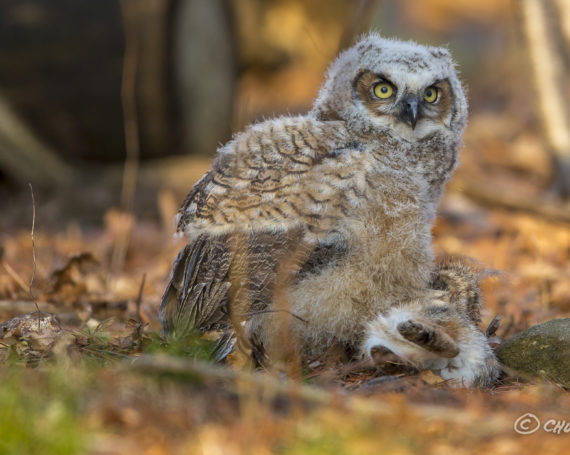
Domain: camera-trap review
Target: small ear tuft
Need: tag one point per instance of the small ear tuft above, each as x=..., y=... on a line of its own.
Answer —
x=431, y=338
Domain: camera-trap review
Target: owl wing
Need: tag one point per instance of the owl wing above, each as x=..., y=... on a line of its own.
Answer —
x=266, y=190
x=275, y=175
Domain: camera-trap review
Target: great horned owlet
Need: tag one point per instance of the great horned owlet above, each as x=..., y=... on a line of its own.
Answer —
x=322, y=222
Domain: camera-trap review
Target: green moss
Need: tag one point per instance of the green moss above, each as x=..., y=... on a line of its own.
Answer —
x=190, y=345
x=542, y=350
x=38, y=413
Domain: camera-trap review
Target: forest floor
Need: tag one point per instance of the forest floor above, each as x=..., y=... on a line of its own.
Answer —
x=111, y=385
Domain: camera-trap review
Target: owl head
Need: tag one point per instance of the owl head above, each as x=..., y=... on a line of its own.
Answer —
x=385, y=86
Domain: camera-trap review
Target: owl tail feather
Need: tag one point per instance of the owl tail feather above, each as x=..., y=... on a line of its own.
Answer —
x=196, y=297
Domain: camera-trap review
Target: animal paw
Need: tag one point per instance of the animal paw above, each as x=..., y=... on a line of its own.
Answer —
x=455, y=349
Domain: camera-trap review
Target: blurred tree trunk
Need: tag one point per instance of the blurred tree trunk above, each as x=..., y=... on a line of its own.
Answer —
x=541, y=25
x=60, y=68
x=204, y=69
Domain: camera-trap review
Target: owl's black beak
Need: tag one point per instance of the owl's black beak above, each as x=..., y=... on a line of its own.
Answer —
x=409, y=110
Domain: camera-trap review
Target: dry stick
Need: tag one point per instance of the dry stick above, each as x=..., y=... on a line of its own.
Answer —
x=33, y=242
x=17, y=278
x=139, y=297
x=255, y=313
x=132, y=145
x=34, y=264
x=511, y=201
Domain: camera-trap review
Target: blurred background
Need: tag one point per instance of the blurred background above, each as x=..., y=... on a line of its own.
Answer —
x=112, y=109
x=177, y=77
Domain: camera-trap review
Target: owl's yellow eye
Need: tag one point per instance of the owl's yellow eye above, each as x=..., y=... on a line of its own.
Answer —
x=430, y=95
x=383, y=90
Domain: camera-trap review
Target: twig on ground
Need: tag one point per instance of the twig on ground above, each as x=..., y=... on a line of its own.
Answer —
x=17, y=278
x=34, y=262
x=139, y=297
x=32, y=235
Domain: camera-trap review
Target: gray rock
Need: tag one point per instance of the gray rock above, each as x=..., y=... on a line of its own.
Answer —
x=542, y=350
